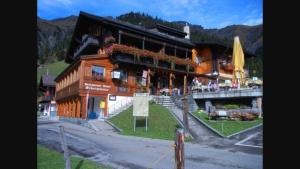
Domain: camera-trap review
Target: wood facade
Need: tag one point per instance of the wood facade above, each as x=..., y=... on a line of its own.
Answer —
x=101, y=46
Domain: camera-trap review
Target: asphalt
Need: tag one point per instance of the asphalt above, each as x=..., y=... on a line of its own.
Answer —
x=109, y=148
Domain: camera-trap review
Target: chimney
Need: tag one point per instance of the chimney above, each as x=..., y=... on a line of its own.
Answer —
x=186, y=29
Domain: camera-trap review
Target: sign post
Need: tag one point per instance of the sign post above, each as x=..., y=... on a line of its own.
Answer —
x=140, y=107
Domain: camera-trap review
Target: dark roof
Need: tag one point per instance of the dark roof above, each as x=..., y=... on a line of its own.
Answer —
x=47, y=80
x=171, y=31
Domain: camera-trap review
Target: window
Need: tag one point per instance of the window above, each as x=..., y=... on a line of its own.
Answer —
x=123, y=76
x=98, y=73
x=120, y=75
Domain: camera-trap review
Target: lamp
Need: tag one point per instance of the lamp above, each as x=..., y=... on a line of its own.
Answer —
x=215, y=73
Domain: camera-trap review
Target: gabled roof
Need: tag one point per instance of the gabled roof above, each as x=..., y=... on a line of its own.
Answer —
x=171, y=31
x=47, y=80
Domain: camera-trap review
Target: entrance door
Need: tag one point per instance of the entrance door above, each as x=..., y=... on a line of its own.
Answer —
x=95, y=110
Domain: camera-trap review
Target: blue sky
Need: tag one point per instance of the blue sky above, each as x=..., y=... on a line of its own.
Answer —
x=208, y=13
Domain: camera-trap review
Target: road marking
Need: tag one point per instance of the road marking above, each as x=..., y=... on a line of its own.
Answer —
x=247, y=145
x=240, y=143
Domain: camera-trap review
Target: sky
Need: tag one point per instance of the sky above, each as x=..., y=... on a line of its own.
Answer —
x=207, y=13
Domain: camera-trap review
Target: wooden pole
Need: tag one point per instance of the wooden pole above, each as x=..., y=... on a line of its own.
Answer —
x=65, y=147
x=148, y=82
x=179, y=149
x=184, y=85
x=185, y=109
x=170, y=84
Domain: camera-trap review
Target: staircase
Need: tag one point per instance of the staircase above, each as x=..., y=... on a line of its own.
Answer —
x=165, y=101
x=119, y=109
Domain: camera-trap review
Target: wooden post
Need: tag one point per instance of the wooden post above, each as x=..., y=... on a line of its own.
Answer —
x=148, y=81
x=179, y=149
x=185, y=115
x=83, y=109
x=65, y=147
x=185, y=109
x=170, y=84
x=184, y=85
x=158, y=85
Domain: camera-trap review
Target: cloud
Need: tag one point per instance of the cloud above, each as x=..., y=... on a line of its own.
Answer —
x=208, y=13
x=253, y=21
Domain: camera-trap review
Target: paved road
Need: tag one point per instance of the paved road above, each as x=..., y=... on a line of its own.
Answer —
x=205, y=136
x=119, y=151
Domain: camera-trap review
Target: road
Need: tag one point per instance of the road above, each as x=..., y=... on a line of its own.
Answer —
x=118, y=151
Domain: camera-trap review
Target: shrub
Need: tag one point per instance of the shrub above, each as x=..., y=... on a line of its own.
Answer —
x=231, y=106
x=248, y=116
x=151, y=102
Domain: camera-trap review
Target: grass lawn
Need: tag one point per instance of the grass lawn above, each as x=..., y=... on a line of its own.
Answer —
x=53, y=69
x=49, y=159
x=229, y=126
x=161, y=124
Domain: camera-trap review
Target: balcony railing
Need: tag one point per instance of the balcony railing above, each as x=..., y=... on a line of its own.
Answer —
x=129, y=54
x=243, y=92
x=88, y=41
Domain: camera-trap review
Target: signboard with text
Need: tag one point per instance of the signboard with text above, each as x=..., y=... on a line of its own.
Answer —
x=141, y=104
x=97, y=87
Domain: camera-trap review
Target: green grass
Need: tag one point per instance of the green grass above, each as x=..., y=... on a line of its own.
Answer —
x=229, y=126
x=53, y=69
x=49, y=159
x=161, y=124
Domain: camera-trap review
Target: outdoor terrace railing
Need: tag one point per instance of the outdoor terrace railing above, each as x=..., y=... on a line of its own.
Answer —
x=243, y=92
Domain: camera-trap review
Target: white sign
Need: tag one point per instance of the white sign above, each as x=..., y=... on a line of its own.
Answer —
x=116, y=74
x=145, y=73
x=98, y=87
x=222, y=113
x=141, y=106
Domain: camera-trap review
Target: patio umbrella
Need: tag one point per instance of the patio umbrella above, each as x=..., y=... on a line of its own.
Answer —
x=238, y=61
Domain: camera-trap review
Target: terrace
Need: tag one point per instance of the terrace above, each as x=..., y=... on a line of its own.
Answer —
x=234, y=93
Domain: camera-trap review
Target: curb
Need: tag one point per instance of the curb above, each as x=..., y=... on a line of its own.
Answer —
x=234, y=134
x=92, y=126
x=214, y=130
x=176, y=118
x=181, y=123
x=114, y=126
x=240, y=132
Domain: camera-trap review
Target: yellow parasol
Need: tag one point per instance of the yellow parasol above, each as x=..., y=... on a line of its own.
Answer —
x=238, y=61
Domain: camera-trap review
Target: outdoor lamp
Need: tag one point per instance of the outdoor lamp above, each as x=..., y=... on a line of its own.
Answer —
x=215, y=73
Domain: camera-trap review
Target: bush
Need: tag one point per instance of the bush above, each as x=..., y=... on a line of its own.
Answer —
x=151, y=102
x=248, y=116
x=231, y=106
x=219, y=106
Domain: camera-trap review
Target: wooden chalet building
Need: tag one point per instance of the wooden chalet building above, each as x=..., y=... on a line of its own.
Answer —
x=47, y=100
x=110, y=60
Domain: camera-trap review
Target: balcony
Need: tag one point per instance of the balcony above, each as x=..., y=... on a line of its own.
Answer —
x=89, y=45
x=127, y=54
